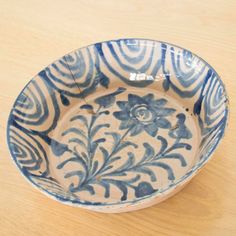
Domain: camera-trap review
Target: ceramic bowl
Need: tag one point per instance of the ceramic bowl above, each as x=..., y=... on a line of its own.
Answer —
x=119, y=125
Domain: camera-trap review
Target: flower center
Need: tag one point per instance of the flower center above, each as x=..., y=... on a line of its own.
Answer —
x=142, y=114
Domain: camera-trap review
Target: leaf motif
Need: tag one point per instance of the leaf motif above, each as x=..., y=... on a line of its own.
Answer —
x=95, y=167
x=124, y=190
x=87, y=107
x=82, y=118
x=79, y=173
x=97, y=128
x=114, y=159
x=176, y=156
x=149, y=153
x=104, y=153
x=164, y=166
x=164, y=144
x=77, y=140
x=76, y=131
x=131, y=159
x=128, y=163
x=84, y=155
x=93, y=148
x=106, y=187
x=100, y=140
x=72, y=159
x=146, y=170
x=106, y=112
x=115, y=136
x=125, y=144
x=107, y=168
x=116, y=174
x=121, y=185
x=133, y=180
x=123, y=168
x=149, y=150
x=89, y=188
x=179, y=145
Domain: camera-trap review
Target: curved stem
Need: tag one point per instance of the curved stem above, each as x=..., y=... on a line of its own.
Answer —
x=170, y=148
x=119, y=142
x=89, y=139
x=154, y=158
x=111, y=154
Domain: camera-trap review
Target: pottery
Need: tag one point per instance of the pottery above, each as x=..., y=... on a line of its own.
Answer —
x=119, y=125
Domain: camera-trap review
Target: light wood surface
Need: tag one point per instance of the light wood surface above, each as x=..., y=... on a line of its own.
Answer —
x=34, y=33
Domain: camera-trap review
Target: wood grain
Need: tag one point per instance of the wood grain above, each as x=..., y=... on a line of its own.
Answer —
x=34, y=33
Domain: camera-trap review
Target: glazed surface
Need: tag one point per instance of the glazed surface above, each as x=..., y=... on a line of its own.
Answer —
x=117, y=122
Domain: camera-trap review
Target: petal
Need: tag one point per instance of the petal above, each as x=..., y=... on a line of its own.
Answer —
x=135, y=99
x=151, y=129
x=160, y=102
x=148, y=98
x=121, y=115
x=164, y=111
x=163, y=123
x=125, y=124
x=137, y=129
x=122, y=104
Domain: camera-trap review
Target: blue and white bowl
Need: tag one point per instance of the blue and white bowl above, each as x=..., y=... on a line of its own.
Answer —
x=119, y=125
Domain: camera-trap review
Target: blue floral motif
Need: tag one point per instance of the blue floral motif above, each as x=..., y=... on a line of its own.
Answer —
x=181, y=130
x=137, y=114
x=143, y=114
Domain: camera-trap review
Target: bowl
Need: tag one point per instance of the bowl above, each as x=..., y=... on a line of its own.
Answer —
x=118, y=125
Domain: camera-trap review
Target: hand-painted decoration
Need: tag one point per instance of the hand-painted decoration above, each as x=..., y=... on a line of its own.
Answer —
x=86, y=134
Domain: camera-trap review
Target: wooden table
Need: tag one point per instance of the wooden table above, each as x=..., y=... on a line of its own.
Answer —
x=34, y=33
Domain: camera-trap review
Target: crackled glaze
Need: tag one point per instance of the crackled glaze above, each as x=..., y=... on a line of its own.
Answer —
x=118, y=125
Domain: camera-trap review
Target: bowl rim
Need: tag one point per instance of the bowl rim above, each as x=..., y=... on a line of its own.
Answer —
x=165, y=191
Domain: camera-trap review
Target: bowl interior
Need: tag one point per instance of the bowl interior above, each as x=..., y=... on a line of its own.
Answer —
x=117, y=121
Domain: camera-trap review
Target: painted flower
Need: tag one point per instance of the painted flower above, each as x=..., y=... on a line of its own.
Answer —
x=143, y=114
